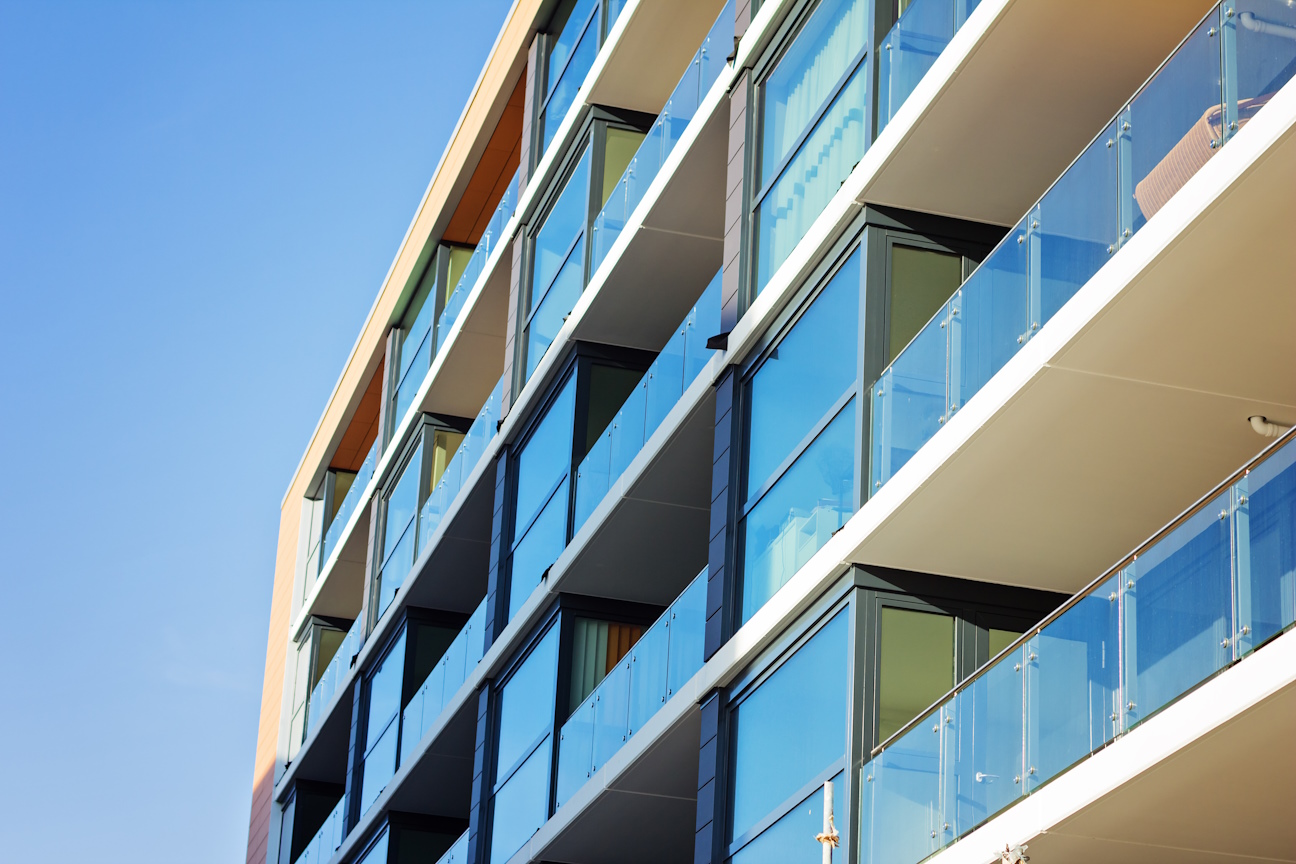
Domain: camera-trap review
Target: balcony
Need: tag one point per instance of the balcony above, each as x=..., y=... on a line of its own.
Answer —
x=494, y=237
x=661, y=387
x=1068, y=369
x=999, y=77
x=679, y=110
x=321, y=696
x=1199, y=597
x=443, y=682
x=327, y=840
x=664, y=243
x=666, y=656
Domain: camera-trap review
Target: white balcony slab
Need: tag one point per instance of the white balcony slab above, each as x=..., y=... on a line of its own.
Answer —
x=656, y=42
x=1210, y=778
x=1131, y=402
x=1006, y=107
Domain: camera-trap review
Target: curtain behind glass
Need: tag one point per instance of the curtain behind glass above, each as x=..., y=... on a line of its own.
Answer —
x=808, y=74
x=597, y=646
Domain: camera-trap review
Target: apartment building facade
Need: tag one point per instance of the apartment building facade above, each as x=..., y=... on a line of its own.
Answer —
x=804, y=425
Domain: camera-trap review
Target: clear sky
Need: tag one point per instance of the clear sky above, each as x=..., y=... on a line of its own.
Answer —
x=198, y=203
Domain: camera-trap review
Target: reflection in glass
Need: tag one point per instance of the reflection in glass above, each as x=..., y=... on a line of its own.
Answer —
x=800, y=512
x=813, y=365
x=791, y=728
x=813, y=176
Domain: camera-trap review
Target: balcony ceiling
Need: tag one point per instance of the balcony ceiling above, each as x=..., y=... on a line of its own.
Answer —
x=660, y=38
x=675, y=251
x=1015, y=113
x=1225, y=798
x=1139, y=413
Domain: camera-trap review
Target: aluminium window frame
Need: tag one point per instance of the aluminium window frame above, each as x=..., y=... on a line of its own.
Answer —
x=841, y=598
x=360, y=729
x=575, y=369
x=490, y=787
x=743, y=500
x=434, y=260
x=590, y=137
x=418, y=442
x=752, y=196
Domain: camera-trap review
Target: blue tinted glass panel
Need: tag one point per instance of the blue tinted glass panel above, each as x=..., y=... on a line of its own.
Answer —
x=553, y=310
x=575, y=752
x=385, y=690
x=1072, y=688
x=377, y=853
x=901, y=820
x=791, y=728
x=379, y=766
x=648, y=674
x=538, y=549
x=799, y=514
x=807, y=74
x=419, y=359
x=1267, y=531
x=987, y=747
x=1079, y=222
x=810, y=180
x=564, y=91
x=521, y=805
x=402, y=503
x=909, y=400
x=1266, y=52
x=687, y=635
x=560, y=50
x=909, y=50
x=814, y=364
x=1173, y=121
x=546, y=456
x=1178, y=614
x=785, y=840
x=396, y=569
x=565, y=221
x=988, y=320
x=526, y=704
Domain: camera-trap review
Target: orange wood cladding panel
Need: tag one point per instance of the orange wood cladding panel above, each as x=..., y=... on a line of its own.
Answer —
x=492, y=176
x=363, y=429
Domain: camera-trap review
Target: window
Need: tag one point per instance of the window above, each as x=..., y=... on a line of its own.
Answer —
x=915, y=665
x=558, y=265
x=580, y=29
x=414, y=354
x=811, y=128
x=559, y=248
x=524, y=749
x=400, y=528
x=383, y=692
x=788, y=737
x=802, y=452
x=541, y=498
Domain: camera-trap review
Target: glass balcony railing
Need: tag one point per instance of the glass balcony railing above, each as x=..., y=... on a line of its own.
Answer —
x=665, y=134
x=349, y=503
x=458, y=853
x=1204, y=593
x=649, y=403
x=326, y=841
x=664, y=659
x=444, y=681
x=461, y=466
x=911, y=47
x=1214, y=83
x=486, y=246
x=322, y=693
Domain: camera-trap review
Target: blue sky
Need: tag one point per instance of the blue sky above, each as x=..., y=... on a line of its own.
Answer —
x=198, y=202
